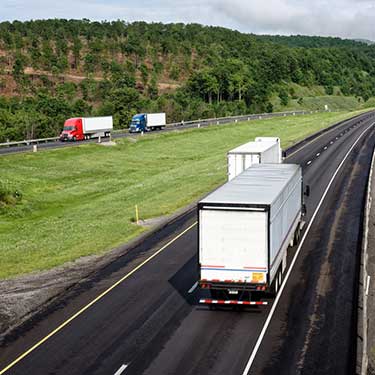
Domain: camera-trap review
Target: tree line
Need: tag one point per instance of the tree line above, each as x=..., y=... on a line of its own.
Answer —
x=215, y=71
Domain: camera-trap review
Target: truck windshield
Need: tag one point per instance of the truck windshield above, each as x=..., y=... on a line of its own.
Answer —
x=135, y=122
x=69, y=128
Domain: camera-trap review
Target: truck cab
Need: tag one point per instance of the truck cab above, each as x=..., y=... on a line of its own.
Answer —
x=138, y=123
x=72, y=130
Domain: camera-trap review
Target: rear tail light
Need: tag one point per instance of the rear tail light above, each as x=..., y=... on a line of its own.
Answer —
x=205, y=286
x=261, y=288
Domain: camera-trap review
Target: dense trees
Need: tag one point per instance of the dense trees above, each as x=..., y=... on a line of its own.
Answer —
x=120, y=69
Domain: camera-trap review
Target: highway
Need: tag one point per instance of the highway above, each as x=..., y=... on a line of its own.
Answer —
x=15, y=149
x=140, y=315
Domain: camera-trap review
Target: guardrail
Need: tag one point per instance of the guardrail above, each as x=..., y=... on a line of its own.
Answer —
x=240, y=118
x=28, y=142
x=186, y=124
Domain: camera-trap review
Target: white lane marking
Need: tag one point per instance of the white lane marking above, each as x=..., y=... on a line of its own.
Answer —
x=274, y=305
x=98, y=298
x=309, y=162
x=337, y=137
x=326, y=147
x=368, y=284
x=331, y=142
x=191, y=290
x=321, y=135
x=121, y=370
x=318, y=154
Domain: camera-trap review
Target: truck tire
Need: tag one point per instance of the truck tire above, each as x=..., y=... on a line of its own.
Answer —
x=297, y=235
x=277, y=282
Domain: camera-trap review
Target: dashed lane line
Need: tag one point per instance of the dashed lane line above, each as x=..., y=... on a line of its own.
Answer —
x=121, y=370
x=276, y=302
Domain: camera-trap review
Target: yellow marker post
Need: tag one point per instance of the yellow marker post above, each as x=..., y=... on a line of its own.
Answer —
x=136, y=214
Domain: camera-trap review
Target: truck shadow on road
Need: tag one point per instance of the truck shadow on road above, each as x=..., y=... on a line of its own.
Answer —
x=183, y=282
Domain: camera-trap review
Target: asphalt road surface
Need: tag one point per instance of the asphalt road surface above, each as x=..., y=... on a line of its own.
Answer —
x=150, y=321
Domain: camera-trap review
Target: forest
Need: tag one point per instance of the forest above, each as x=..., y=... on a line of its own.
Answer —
x=51, y=70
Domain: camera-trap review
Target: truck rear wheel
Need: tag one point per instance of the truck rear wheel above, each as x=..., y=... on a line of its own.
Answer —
x=277, y=281
x=297, y=235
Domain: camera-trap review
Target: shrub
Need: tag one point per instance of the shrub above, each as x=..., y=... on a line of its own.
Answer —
x=9, y=195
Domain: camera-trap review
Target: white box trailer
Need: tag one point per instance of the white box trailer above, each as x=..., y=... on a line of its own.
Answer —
x=242, y=157
x=97, y=124
x=156, y=120
x=245, y=228
x=273, y=140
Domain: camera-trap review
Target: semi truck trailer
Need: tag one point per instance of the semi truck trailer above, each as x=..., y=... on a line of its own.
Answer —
x=80, y=128
x=263, y=150
x=145, y=122
x=273, y=140
x=245, y=228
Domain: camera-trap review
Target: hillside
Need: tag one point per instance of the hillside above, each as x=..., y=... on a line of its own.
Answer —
x=54, y=69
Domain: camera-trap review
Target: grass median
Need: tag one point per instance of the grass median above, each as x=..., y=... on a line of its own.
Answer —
x=80, y=201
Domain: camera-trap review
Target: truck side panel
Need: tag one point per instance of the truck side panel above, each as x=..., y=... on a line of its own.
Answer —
x=276, y=152
x=272, y=154
x=96, y=124
x=237, y=163
x=284, y=217
x=156, y=119
x=233, y=245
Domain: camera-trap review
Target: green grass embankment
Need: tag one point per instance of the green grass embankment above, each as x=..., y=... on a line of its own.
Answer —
x=80, y=201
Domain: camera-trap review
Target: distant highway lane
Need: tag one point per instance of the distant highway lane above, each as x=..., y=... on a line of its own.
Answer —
x=140, y=315
x=6, y=150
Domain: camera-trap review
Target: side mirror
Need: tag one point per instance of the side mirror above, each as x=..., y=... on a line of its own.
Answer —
x=307, y=191
x=283, y=154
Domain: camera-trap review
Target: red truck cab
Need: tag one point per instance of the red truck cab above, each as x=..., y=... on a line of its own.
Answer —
x=73, y=130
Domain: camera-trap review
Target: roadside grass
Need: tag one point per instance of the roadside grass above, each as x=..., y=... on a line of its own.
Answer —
x=315, y=98
x=80, y=201
x=312, y=103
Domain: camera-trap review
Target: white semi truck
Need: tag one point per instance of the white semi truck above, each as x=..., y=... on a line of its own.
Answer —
x=263, y=150
x=245, y=229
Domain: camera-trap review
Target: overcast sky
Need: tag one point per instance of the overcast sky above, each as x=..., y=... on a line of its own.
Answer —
x=344, y=18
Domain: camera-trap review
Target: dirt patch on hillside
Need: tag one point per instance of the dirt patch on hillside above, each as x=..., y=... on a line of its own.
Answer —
x=165, y=87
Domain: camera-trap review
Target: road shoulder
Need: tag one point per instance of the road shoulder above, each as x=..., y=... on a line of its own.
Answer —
x=366, y=297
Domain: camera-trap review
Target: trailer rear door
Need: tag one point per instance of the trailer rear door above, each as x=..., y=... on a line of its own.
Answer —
x=233, y=245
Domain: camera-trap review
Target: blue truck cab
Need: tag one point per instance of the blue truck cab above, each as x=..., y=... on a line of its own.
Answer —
x=139, y=123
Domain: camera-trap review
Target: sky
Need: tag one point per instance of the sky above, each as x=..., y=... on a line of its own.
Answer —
x=343, y=18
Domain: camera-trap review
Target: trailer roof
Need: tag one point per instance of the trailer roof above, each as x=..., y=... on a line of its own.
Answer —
x=252, y=147
x=260, y=184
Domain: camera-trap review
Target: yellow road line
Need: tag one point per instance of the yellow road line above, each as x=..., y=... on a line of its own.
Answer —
x=78, y=313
